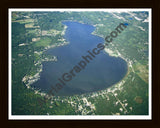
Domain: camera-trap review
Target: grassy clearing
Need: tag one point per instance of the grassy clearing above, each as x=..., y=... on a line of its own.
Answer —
x=25, y=21
x=44, y=42
x=30, y=25
x=142, y=71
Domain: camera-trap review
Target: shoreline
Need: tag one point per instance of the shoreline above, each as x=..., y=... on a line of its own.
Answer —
x=110, y=52
x=105, y=93
x=106, y=90
x=29, y=79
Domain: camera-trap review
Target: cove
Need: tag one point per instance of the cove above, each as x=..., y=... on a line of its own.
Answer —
x=100, y=73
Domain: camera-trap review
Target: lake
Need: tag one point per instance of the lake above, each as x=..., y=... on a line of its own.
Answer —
x=102, y=72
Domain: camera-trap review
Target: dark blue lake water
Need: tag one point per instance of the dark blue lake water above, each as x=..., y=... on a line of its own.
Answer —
x=102, y=72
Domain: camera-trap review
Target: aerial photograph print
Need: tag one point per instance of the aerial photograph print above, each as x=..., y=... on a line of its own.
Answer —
x=79, y=63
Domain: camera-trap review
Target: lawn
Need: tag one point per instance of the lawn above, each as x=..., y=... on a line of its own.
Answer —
x=43, y=42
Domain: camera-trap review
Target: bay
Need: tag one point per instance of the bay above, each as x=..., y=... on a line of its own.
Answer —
x=100, y=73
